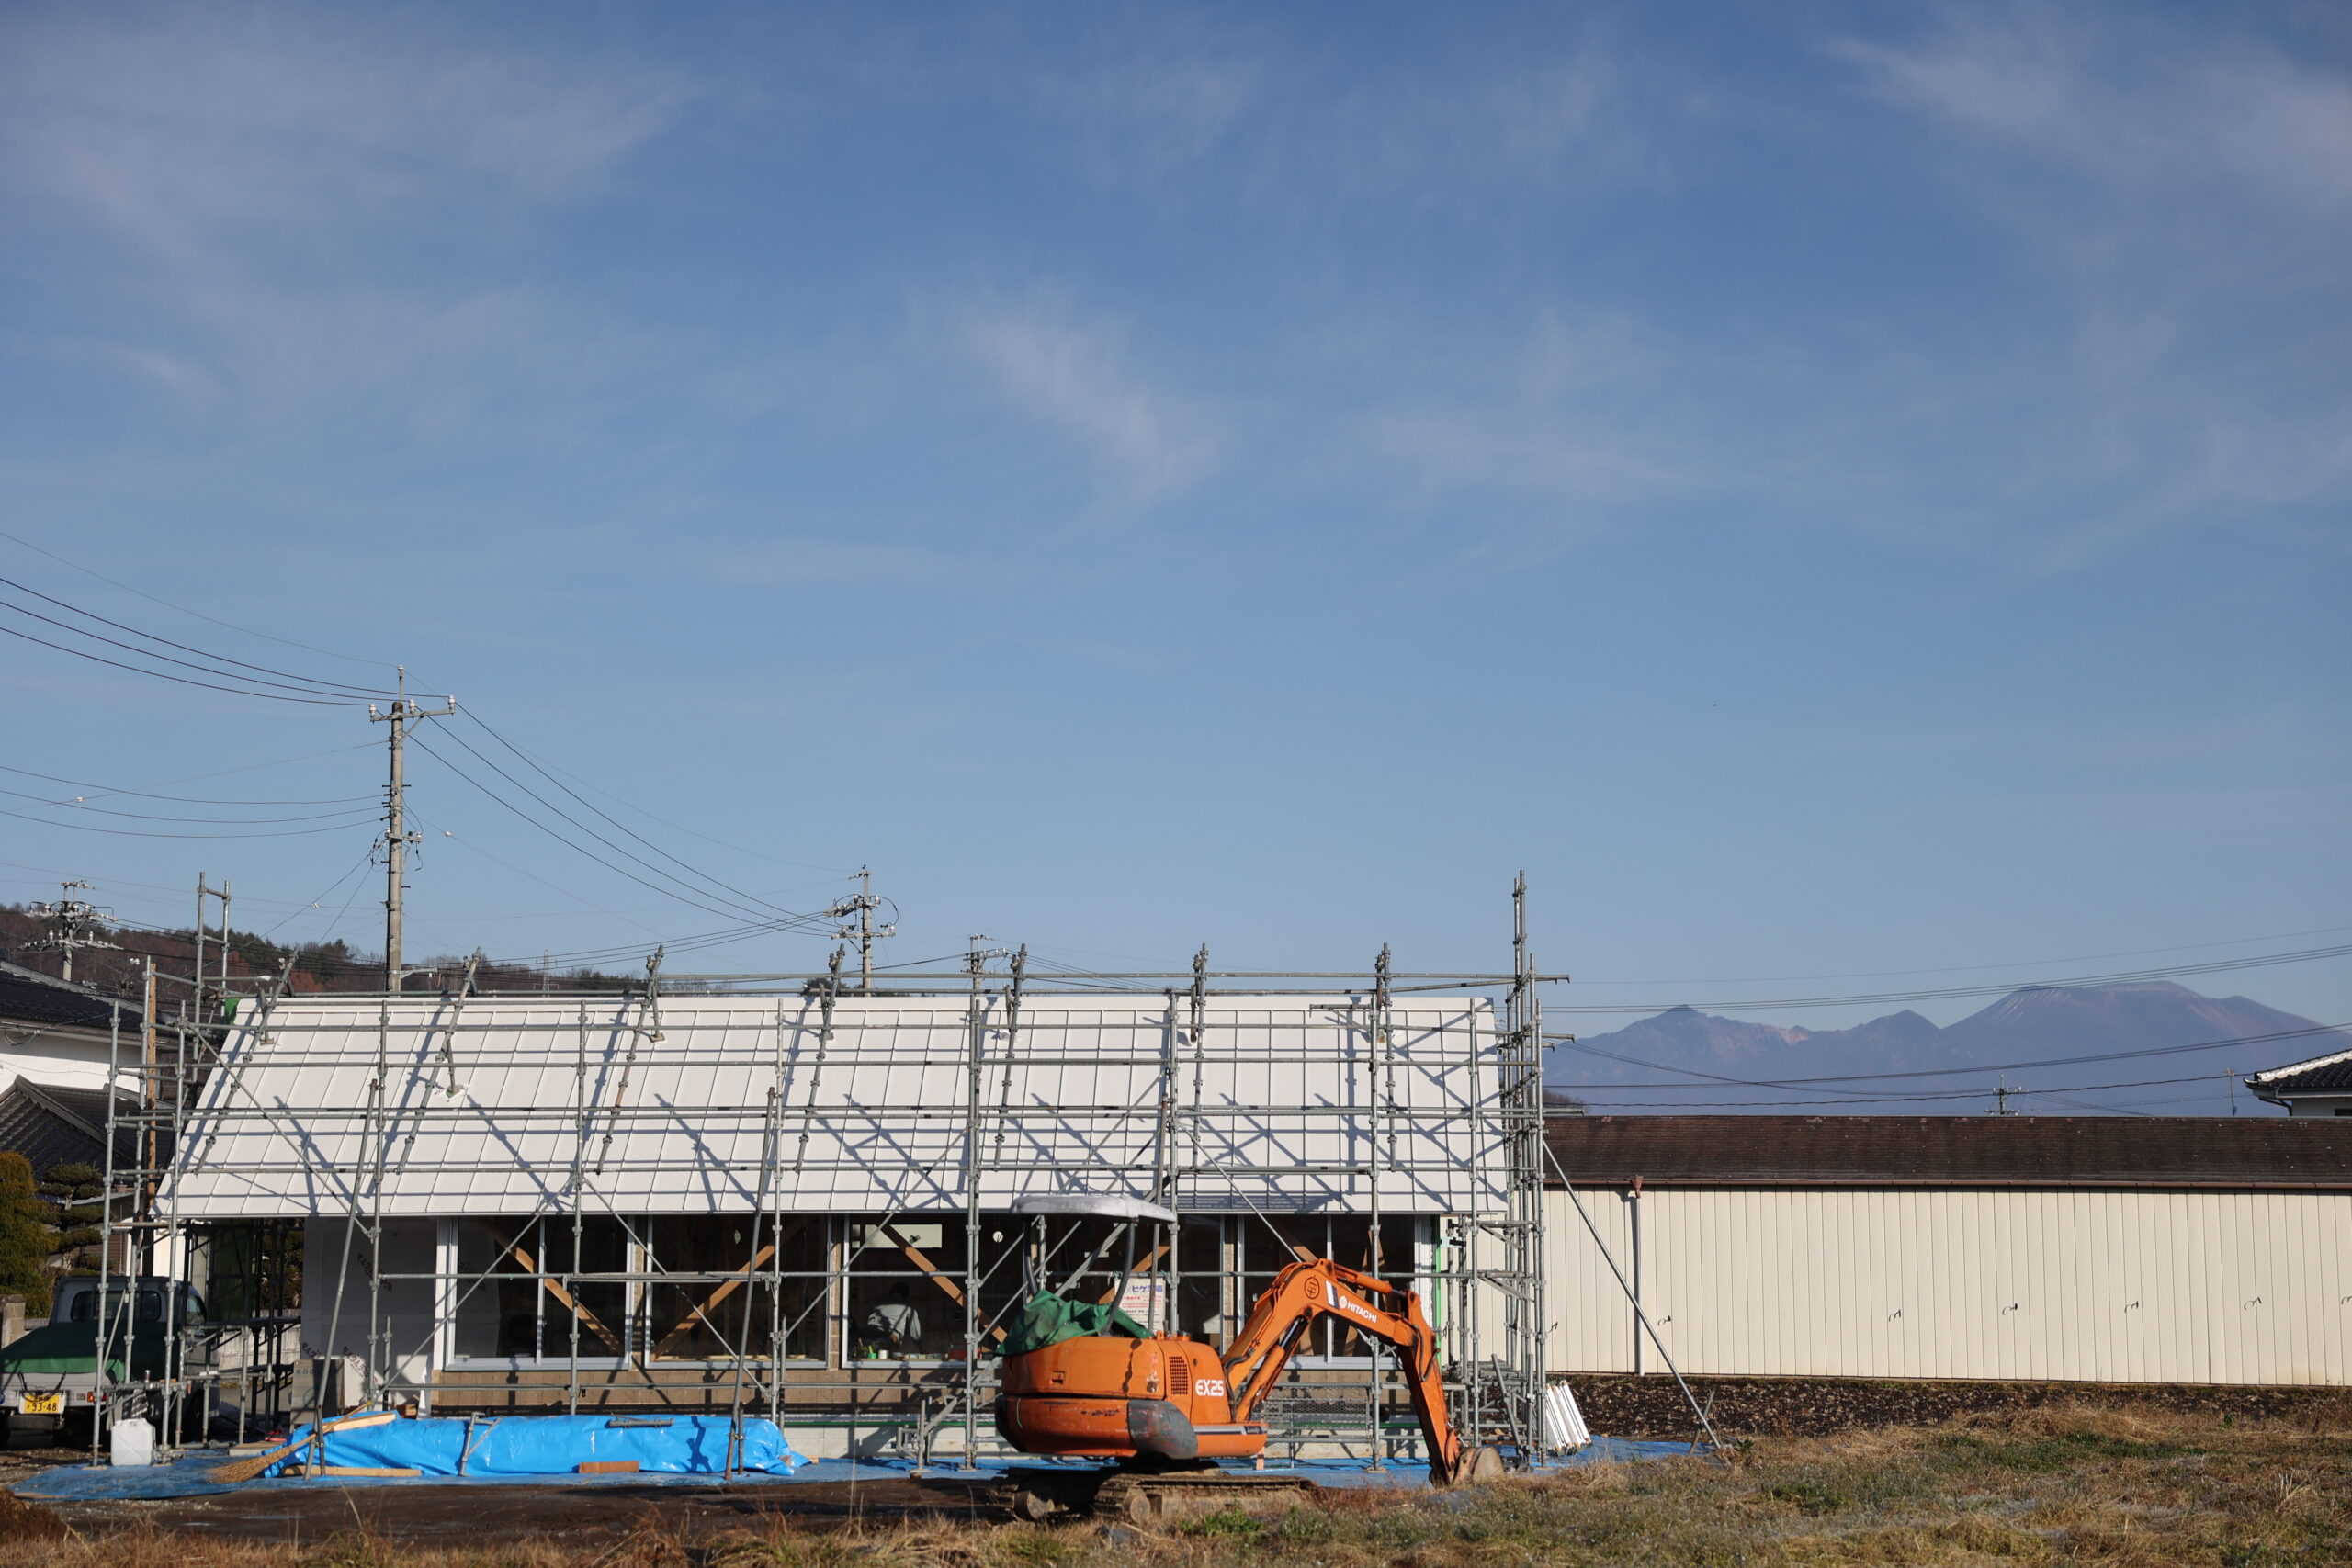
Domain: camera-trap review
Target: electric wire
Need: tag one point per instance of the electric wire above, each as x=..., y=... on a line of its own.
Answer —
x=1881, y=999
x=698, y=900
x=137, y=833
x=725, y=887
x=299, y=685
x=1974, y=968
x=164, y=675
x=367, y=858
x=106, y=791
x=151, y=816
x=1832, y=1079
x=182, y=609
x=557, y=775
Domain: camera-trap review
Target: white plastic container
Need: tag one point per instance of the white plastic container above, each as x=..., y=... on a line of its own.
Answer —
x=1563, y=1422
x=134, y=1442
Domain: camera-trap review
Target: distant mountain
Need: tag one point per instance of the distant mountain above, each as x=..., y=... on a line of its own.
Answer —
x=1683, y=1059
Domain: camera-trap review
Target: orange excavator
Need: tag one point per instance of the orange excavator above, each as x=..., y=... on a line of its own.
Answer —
x=1164, y=1400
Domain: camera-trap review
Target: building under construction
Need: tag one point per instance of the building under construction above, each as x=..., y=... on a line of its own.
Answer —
x=795, y=1195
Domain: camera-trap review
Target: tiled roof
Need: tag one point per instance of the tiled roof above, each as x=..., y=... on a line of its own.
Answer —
x=27, y=996
x=50, y=1124
x=2268, y=1150
x=2318, y=1075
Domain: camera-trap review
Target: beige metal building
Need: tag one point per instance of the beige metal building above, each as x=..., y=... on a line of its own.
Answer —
x=2104, y=1249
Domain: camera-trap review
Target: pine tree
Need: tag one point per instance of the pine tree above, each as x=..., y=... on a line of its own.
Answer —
x=25, y=1241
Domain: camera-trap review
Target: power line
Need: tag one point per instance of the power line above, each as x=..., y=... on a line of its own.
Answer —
x=182, y=609
x=553, y=772
x=1885, y=998
x=164, y=675
x=150, y=817
x=106, y=790
x=1973, y=969
x=690, y=896
x=1832, y=1079
x=297, y=684
x=136, y=833
x=184, y=647
x=1940, y=1094
x=716, y=903
x=714, y=882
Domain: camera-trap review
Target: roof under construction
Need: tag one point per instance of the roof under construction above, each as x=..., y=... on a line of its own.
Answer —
x=720, y=1103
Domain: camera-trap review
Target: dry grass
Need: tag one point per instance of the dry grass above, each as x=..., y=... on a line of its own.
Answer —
x=2064, y=1485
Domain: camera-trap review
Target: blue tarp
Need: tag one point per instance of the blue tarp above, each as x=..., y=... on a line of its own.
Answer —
x=550, y=1445
x=191, y=1476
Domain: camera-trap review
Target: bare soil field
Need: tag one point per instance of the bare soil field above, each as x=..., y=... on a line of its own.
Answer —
x=2122, y=1485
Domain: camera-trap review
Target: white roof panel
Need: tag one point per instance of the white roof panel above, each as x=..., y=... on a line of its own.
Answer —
x=422, y=1105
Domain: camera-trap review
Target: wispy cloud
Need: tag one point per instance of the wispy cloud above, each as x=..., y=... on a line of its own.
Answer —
x=1076, y=374
x=2141, y=109
x=313, y=215
x=189, y=128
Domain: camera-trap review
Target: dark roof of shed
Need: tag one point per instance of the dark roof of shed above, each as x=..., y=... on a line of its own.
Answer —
x=2319, y=1075
x=28, y=996
x=1955, y=1151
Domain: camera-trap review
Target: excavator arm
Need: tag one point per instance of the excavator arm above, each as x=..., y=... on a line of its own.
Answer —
x=1319, y=1288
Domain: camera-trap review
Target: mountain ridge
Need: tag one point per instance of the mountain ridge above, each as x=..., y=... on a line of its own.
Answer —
x=1901, y=1063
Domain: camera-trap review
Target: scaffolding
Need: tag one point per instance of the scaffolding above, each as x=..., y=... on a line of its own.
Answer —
x=794, y=1195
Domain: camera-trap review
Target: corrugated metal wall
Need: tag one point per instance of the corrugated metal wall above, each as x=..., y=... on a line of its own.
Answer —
x=2065, y=1285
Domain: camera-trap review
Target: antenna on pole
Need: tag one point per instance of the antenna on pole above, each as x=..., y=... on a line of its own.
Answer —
x=73, y=925
x=397, y=839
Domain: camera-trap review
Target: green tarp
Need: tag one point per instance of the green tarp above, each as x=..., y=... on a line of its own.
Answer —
x=73, y=1347
x=1048, y=1320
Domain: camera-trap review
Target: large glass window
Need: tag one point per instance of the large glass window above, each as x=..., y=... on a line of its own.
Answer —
x=905, y=1284
x=518, y=1293
x=726, y=1307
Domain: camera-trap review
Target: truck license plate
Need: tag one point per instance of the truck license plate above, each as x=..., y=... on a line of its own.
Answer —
x=44, y=1405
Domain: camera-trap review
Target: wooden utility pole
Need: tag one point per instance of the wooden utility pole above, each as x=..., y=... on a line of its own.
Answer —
x=397, y=836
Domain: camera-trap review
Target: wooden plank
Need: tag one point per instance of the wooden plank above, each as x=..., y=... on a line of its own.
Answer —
x=381, y=1471
x=607, y=1467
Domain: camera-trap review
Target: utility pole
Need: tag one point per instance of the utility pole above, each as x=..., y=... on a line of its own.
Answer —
x=2000, y=1106
x=202, y=892
x=397, y=838
x=865, y=933
x=73, y=924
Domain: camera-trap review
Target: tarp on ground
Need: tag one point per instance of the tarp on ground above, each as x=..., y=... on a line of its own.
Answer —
x=1049, y=1319
x=548, y=1445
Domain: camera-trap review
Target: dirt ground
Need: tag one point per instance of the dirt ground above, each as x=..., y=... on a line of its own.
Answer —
x=1653, y=1406
x=2125, y=1485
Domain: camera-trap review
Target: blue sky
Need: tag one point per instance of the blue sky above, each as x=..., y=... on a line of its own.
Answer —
x=1835, y=491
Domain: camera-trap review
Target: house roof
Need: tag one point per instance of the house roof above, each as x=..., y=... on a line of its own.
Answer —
x=503, y=1105
x=2239, y=1152
x=28, y=996
x=2321, y=1075
x=52, y=1124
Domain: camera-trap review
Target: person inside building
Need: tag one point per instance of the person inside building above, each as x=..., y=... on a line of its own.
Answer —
x=894, y=1327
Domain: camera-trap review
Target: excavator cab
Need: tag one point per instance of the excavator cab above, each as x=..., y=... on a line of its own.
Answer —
x=1083, y=1380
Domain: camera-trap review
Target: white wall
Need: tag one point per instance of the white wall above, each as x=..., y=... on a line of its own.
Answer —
x=68, y=1059
x=2092, y=1286
x=407, y=1304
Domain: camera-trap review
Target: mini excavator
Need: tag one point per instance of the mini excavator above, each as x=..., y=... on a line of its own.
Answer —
x=1165, y=1402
